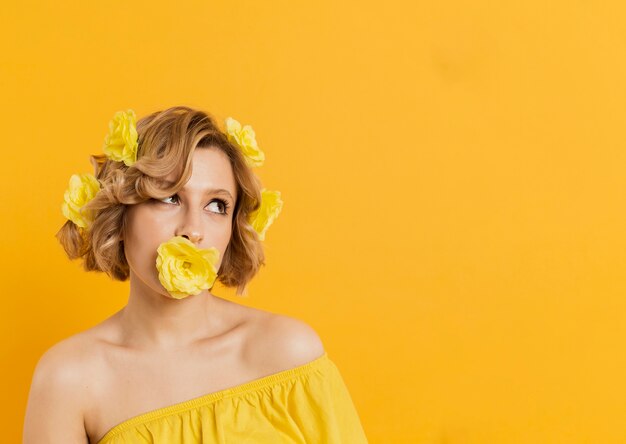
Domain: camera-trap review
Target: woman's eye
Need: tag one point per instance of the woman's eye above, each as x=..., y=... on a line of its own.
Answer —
x=222, y=205
x=170, y=197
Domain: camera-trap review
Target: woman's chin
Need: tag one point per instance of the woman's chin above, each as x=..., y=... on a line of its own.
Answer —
x=181, y=296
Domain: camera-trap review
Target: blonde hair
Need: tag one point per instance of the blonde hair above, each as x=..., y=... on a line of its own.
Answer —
x=166, y=142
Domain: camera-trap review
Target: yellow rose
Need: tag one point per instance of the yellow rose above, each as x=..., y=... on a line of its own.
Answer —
x=83, y=188
x=184, y=269
x=245, y=139
x=271, y=205
x=120, y=144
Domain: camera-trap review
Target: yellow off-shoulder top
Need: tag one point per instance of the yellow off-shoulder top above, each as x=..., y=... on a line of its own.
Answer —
x=308, y=404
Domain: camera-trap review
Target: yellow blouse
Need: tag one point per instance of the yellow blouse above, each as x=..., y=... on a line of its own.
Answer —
x=308, y=404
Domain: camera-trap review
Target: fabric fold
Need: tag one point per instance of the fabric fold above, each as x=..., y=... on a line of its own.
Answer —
x=303, y=405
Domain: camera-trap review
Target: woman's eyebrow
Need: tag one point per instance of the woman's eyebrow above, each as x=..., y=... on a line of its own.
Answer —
x=213, y=191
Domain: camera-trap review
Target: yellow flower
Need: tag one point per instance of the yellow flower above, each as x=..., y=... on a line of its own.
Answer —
x=262, y=218
x=184, y=269
x=83, y=188
x=245, y=139
x=120, y=144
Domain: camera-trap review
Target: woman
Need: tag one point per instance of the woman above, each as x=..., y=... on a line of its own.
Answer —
x=178, y=364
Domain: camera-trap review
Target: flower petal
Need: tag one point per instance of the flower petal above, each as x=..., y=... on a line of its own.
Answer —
x=245, y=139
x=264, y=216
x=121, y=142
x=82, y=189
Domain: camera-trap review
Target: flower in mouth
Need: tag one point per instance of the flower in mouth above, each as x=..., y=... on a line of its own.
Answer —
x=184, y=269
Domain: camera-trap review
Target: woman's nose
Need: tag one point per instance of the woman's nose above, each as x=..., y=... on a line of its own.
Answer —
x=190, y=227
x=194, y=237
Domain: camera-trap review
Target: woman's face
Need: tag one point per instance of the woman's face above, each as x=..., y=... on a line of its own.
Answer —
x=196, y=212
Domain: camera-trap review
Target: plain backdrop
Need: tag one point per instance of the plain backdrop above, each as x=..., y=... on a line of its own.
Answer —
x=453, y=183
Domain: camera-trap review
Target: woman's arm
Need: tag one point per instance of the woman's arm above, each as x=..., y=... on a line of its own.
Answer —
x=54, y=413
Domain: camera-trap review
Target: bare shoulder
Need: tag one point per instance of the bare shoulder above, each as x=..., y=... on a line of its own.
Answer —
x=55, y=406
x=281, y=342
x=68, y=358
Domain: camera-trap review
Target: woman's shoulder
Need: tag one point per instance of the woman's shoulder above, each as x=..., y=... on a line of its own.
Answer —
x=72, y=359
x=58, y=379
x=66, y=356
x=64, y=368
x=278, y=341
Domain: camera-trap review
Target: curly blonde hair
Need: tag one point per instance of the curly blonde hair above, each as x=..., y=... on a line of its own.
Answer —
x=166, y=142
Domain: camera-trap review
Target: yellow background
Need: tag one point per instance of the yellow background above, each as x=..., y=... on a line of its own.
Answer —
x=453, y=179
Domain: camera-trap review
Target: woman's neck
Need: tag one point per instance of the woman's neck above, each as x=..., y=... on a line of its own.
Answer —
x=154, y=321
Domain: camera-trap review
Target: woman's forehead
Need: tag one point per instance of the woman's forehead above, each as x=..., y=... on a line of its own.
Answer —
x=211, y=170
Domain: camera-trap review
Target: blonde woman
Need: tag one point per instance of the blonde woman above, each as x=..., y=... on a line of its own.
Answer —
x=196, y=368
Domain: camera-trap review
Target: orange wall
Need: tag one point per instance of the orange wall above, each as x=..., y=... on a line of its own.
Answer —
x=453, y=179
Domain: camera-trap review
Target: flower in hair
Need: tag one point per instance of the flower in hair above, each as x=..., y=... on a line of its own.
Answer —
x=264, y=216
x=184, y=269
x=120, y=144
x=82, y=188
x=245, y=139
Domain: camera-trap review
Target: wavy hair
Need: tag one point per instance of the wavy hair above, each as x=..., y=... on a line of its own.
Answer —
x=166, y=142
